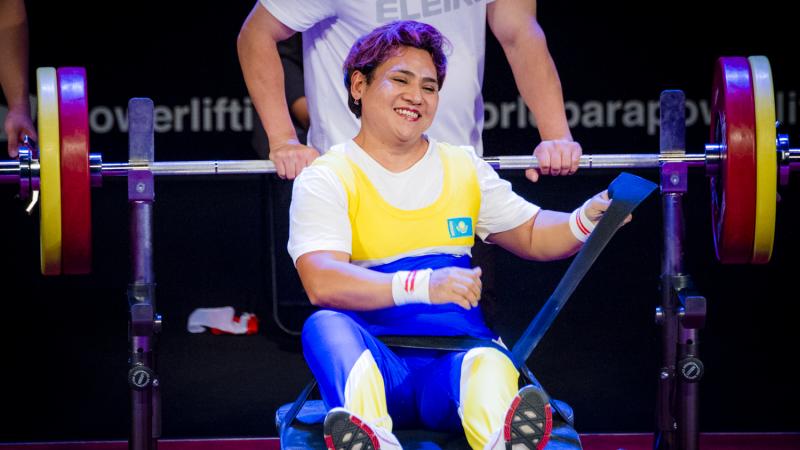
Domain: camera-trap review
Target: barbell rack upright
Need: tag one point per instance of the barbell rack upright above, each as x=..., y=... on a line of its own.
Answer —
x=144, y=321
x=682, y=311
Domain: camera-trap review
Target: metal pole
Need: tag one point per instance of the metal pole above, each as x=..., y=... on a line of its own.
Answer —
x=671, y=264
x=681, y=431
x=142, y=376
x=9, y=172
x=689, y=389
x=255, y=167
x=12, y=172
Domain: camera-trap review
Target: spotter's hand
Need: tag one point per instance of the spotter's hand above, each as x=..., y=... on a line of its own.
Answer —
x=291, y=157
x=17, y=124
x=556, y=157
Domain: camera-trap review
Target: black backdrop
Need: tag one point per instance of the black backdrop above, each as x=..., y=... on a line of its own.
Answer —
x=64, y=339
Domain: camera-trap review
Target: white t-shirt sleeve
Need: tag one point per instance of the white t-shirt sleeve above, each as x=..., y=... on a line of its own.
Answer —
x=318, y=217
x=299, y=15
x=501, y=208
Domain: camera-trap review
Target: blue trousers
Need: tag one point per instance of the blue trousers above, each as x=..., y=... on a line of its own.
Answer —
x=408, y=388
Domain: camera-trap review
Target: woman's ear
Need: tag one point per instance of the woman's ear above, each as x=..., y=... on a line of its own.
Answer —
x=358, y=83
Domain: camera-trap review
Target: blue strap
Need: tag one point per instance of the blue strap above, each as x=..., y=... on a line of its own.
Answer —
x=295, y=409
x=627, y=191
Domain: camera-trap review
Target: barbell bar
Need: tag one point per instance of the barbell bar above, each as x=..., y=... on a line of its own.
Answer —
x=12, y=171
x=23, y=171
x=744, y=159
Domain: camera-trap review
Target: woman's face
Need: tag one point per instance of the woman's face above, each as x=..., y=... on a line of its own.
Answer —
x=400, y=102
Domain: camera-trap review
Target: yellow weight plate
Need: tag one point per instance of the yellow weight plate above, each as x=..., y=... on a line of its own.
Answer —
x=50, y=171
x=766, y=159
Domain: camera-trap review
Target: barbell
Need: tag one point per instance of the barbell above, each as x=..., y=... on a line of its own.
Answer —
x=744, y=160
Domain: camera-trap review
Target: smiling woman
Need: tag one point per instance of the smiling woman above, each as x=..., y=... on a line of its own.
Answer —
x=389, y=41
x=393, y=78
x=398, y=105
x=381, y=230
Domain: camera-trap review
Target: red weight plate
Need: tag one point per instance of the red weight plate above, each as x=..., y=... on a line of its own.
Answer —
x=733, y=189
x=76, y=204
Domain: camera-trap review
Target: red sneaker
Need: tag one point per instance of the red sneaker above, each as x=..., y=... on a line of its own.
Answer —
x=346, y=431
x=529, y=420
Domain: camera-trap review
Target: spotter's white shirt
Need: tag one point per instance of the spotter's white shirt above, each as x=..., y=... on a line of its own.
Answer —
x=330, y=27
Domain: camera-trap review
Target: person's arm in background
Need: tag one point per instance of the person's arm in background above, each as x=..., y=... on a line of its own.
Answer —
x=260, y=61
x=14, y=72
x=299, y=110
x=514, y=24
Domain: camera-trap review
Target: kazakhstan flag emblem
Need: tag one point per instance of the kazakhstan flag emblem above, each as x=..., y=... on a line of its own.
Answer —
x=459, y=227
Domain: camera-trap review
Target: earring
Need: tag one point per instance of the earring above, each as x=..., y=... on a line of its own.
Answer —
x=356, y=102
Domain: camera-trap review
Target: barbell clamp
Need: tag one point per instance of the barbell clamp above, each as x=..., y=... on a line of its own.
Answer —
x=28, y=177
x=788, y=159
x=713, y=158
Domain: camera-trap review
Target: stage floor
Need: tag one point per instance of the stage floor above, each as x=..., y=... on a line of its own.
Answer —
x=628, y=441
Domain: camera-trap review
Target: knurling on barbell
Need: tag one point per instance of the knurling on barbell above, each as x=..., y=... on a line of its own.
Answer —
x=743, y=186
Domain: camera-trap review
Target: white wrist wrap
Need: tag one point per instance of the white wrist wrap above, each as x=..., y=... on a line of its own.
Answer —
x=411, y=286
x=580, y=225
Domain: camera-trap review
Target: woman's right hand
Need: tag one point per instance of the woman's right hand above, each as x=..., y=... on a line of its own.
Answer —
x=456, y=285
